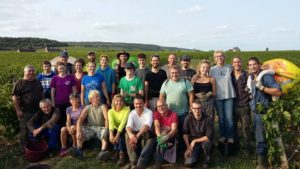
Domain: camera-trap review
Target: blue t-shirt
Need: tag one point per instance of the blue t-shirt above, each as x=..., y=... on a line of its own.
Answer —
x=109, y=76
x=45, y=81
x=259, y=96
x=92, y=83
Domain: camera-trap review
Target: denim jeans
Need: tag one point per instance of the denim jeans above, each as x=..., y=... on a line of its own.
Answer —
x=261, y=145
x=181, y=144
x=242, y=114
x=206, y=147
x=50, y=134
x=225, y=113
x=120, y=146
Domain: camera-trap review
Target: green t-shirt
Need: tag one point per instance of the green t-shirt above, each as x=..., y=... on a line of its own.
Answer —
x=131, y=87
x=176, y=95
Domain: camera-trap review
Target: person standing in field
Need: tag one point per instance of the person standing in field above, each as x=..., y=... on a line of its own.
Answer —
x=130, y=85
x=73, y=113
x=120, y=67
x=224, y=97
x=62, y=85
x=153, y=82
x=91, y=55
x=179, y=95
x=45, y=78
x=205, y=88
x=79, y=73
x=142, y=69
x=26, y=95
x=261, y=94
x=64, y=56
x=93, y=81
x=198, y=134
x=186, y=72
x=109, y=76
x=117, y=119
x=172, y=60
x=241, y=109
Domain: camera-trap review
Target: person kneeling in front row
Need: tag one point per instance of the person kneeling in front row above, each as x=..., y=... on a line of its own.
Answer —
x=198, y=131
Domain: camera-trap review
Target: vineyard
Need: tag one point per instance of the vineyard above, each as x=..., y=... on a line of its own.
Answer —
x=285, y=113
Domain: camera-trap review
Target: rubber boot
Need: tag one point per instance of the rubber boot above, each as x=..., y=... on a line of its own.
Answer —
x=262, y=162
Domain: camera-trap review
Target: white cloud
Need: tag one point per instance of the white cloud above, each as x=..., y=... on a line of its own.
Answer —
x=193, y=9
x=120, y=27
x=282, y=30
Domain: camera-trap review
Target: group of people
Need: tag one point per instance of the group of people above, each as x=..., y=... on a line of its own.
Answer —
x=166, y=112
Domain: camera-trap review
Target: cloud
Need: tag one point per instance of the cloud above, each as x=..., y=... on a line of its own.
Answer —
x=282, y=30
x=193, y=9
x=120, y=27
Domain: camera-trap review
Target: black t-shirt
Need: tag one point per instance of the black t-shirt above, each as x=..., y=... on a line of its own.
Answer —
x=155, y=81
x=30, y=93
x=187, y=74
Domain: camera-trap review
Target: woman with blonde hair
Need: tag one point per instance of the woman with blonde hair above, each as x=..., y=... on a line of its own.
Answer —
x=224, y=96
x=205, y=87
x=117, y=118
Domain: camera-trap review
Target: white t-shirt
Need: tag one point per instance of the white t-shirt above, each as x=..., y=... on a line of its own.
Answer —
x=136, y=122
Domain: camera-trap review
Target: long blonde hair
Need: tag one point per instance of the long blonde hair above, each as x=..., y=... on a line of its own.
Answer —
x=203, y=61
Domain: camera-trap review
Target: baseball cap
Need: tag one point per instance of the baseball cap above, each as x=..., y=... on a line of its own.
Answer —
x=185, y=58
x=129, y=65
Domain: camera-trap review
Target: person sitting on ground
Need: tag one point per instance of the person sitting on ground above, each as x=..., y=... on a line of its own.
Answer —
x=198, y=132
x=117, y=118
x=95, y=116
x=138, y=135
x=165, y=126
x=73, y=113
x=45, y=78
x=44, y=124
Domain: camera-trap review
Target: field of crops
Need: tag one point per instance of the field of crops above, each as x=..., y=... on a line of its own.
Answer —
x=12, y=64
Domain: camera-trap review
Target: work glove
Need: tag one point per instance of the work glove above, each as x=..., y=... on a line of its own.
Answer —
x=208, y=94
x=259, y=85
x=202, y=97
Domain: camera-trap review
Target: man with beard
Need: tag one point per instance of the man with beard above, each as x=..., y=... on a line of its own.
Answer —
x=186, y=71
x=91, y=55
x=172, y=60
x=153, y=82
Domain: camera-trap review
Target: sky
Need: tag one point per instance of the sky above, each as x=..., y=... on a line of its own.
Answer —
x=193, y=24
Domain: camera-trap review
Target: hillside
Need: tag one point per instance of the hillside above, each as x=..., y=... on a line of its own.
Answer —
x=10, y=43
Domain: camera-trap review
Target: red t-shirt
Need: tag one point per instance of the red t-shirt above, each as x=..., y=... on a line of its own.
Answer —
x=166, y=122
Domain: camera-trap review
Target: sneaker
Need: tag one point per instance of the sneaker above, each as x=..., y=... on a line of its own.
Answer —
x=103, y=155
x=63, y=152
x=230, y=140
x=222, y=139
x=75, y=152
x=114, y=156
